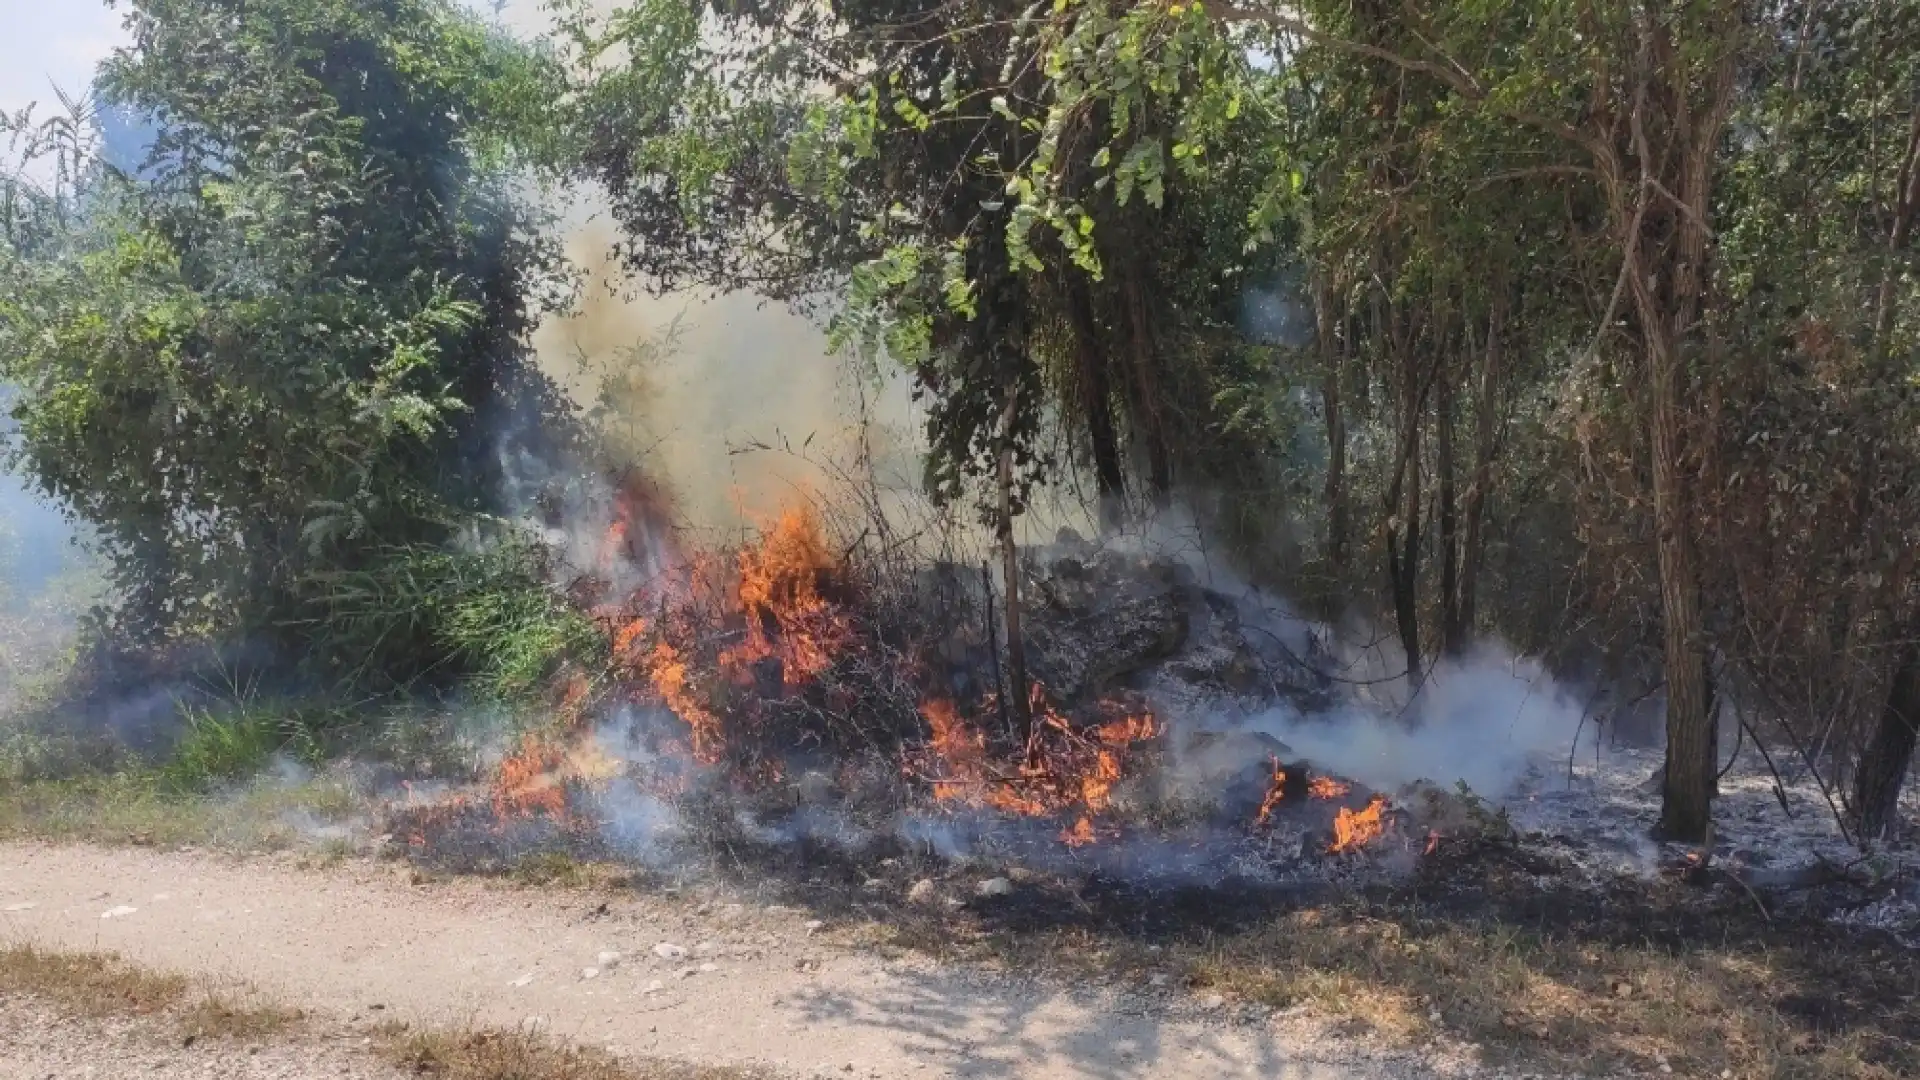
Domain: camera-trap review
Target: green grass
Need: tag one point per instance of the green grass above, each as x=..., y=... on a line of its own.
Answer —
x=142, y=808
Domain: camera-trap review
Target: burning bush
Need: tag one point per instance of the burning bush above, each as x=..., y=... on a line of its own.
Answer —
x=784, y=672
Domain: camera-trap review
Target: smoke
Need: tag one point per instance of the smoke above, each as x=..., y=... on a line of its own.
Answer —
x=1480, y=719
x=732, y=402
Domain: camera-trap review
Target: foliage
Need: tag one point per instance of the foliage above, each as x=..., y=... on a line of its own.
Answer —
x=487, y=610
x=283, y=348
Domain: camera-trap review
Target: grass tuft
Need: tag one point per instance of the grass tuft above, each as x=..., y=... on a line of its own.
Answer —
x=94, y=984
x=526, y=1055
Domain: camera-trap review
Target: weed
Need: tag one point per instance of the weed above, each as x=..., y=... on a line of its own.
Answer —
x=526, y=1055
x=221, y=747
x=95, y=984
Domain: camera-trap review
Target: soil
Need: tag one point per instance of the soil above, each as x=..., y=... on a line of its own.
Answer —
x=710, y=982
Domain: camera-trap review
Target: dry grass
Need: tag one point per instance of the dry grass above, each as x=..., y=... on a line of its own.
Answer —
x=104, y=984
x=1541, y=980
x=525, y=1055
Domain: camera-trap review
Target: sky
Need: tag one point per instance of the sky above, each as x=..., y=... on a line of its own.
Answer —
x=52, y=42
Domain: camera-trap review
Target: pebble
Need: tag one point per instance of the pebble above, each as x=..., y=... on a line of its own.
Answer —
x=998, y=886
x=522, y=980
x=1212, y=1002
x=589, y=973
x=117, y=912
x=669, y=951
x=607, y=959
x=814, y=926
x=923, y=892
x=709, y=967
x=653, y=987
x=1158, y=978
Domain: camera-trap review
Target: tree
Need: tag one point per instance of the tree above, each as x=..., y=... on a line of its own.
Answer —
x=284, y=348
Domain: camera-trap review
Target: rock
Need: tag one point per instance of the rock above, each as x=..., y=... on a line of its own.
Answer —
x=1213, y=1002
x=653, y=987
x=589, y=973
x=709, y=968
x=1157, y=979
x=1623, y=989
x=607, y=958
x=705, y=948
x=522, y=980
x=923, y=892
x=814, y=926
x=118, y=912
x=991, y=887
x=668, y=951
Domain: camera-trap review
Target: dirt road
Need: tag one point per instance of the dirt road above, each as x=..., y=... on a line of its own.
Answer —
x=722, y=984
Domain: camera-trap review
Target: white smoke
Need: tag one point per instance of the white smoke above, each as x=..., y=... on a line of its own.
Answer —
x=1480, y=719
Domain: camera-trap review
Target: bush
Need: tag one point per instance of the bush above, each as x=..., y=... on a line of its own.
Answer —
x=432, y=616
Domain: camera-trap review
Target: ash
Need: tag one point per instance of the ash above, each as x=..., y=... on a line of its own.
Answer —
x=1779, y=838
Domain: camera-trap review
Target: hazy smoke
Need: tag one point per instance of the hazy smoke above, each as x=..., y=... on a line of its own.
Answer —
x=1479, y=719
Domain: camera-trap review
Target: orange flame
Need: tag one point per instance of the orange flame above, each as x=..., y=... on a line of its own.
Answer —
x=1354, y=829
x=527, y=784
x=1064, y=768
x=1326, y=787
x=1276, y=791
x=779, y=590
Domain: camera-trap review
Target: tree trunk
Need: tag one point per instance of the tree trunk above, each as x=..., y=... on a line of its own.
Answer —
x=1017, y=689
x=1096, y=389
x=1687, y=808
x=1451, y=634
x=1485, y=429
x=1889, y=753
x=1149, y=416
x=1906, y=206
x=1403, y=511
x=1332, y=357
x=1664, y=253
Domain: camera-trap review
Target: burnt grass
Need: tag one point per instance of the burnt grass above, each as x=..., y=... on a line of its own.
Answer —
x=1496, y=941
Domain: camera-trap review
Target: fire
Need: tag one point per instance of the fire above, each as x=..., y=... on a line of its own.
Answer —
x=1354, y=829
x=1326, y=787
x=1276, y=791
x=1064, y=769
x=770, y=599
x=1080, y=835
x=528, y=783
x=779, y=591
x=1433, y=842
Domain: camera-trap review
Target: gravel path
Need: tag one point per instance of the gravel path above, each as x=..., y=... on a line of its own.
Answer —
x=39, y=1042
x=721, y=985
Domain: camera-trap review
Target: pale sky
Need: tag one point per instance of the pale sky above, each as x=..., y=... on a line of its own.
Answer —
x=45, y=42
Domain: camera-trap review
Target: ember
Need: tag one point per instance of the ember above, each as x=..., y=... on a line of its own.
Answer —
x=1326, y=787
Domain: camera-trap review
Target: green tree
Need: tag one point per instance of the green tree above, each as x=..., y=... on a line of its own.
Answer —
x=283, y=350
